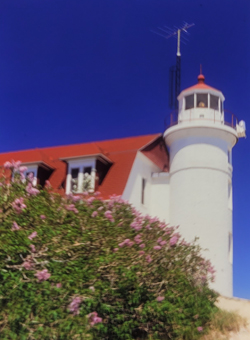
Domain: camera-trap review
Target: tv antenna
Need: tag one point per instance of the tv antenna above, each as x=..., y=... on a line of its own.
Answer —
x=175, y=70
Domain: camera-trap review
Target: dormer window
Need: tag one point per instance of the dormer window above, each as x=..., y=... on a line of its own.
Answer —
x=81, y=175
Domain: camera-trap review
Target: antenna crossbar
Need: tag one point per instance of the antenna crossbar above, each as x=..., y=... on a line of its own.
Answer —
x=175, y=71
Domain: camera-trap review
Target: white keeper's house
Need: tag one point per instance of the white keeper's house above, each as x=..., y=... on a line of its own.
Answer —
x=183, y=176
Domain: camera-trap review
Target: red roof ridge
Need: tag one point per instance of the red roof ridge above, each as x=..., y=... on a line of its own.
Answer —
x=95, y=143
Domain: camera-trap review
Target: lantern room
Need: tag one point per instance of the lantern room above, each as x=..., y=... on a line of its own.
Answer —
x=201, y=103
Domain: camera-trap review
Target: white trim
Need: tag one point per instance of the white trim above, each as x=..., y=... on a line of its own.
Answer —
x=80, y=163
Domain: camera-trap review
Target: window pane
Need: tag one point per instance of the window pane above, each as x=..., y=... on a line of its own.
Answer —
x=87, y=170
x=202, y=99
x=214, y=102
x=189, y=102
x=74, y=179
x=74, y=172
x=143, y=191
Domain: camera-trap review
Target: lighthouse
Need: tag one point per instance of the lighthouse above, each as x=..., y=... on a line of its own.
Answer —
x=200, y=138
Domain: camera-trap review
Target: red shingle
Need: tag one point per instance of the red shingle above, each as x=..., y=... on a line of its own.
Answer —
x=121, y=152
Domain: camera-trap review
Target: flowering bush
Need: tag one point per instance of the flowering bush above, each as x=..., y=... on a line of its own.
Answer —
x=83, y=268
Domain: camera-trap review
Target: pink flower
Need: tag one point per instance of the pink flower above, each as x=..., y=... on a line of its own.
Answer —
x=7, y=165
x=159, y=240
x=15, y=226
x=148, y=258
x=100, y=208
x=58, y=285
x=30, y=176
x=138, y=239
x=94, y=214
x=108, y=215
x=141, y=252
x=199, y=329
x=126, y=242
x=32, y=235
x=43, y=217
x=131, y=243
x=162, y=243
x=90, y=200
x=97, y=193
x=115, y=250
x=47, y=184
x=136, y=225
x=18, y=205
x=160, y=298
x=94, y=318
x=43, y=275
x=157, y=247
x=16, y=164
x=33, y=248
x=142, y=245
x=28, y=265
x=76, y=198
x=32, y=191
x=74, y=305
x=173, y=240
x=71, y=207
x=23, y=168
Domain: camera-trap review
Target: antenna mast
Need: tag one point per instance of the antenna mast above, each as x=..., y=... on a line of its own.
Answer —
x=174, y=71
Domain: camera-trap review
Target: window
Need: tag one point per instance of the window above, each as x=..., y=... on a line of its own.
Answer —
x=31, y=169
x=143, y=191
x=214, y=102
x=87, y=170
x=221, y=106
x=74, y=179
x=230, y=195
x=202, y=100
x=81, y=175
x=230, y=247
x=229, y=156
x=189, y=102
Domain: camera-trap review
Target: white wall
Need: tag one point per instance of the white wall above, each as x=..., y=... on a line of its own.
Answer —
x=159, y=204
x=156, y=190
x=199, y=196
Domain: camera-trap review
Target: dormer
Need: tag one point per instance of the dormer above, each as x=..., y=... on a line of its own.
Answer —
x=40, y=170
x=85, y=173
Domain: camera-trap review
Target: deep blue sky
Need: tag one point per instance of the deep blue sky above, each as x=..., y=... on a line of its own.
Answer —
x=75, y=71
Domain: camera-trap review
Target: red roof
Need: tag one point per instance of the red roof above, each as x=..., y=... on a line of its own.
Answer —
x=121, y=152
x=201, y=85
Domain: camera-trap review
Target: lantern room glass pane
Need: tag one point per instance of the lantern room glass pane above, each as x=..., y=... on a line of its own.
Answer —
x=202, y=100
x=214, y=102
x=189, y=102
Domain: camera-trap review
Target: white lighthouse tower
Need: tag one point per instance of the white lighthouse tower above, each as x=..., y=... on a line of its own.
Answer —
x=200, y=138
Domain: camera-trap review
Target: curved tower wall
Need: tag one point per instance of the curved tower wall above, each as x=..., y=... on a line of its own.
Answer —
x=200, y=178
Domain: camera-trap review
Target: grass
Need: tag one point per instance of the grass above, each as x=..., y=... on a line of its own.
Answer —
x=222, y=323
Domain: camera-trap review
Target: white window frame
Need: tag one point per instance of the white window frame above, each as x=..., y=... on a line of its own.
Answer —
x=80, y=163
x=31, y=168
